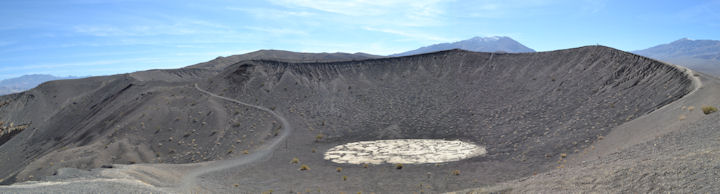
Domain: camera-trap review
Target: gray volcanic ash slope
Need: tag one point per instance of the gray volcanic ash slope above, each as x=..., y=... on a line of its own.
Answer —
x=529, y=110
x=86, y=123
x=673, y=149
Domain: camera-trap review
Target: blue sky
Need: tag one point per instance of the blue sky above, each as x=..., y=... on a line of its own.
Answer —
x=100, y=37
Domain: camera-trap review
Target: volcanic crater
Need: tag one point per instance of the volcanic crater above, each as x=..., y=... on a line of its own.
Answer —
x=249, y=125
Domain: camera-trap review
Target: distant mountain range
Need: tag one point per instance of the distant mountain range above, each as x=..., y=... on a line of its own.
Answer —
x=700, y=55
x=477, y=44
x=26, y=82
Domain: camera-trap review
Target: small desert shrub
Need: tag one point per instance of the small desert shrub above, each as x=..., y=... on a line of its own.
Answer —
x=709, y=109
x=294, y=161
x=563, y=155
x=691, y=108
x=313, y=150
x=456, y=172
x=398, y=166
x=682, y=117
x=365, y=165
x=338, y=169
x=304, y=167
x=319, y=137
x=344, y=178
x=236, y=185
x=246, y=152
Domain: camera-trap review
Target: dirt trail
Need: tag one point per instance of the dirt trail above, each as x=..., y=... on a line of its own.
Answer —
x=191, y=180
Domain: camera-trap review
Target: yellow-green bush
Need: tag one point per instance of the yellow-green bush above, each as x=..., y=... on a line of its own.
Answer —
x=304, y=167
x=709, y=109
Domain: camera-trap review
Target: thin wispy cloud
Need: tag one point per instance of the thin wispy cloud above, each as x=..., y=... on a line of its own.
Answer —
x=5, y=43
x=410, y=35
x=142, y=30
x=76, y=64
x=395, y=12
x=594, y=6
x=215, y=53
x=366, y=8
x=153, y=25
x=266, y=13
x=87, y=35
x=377, y=47
x=703, y=12
x=349, y=7
x=97, y=67
x=277, y=31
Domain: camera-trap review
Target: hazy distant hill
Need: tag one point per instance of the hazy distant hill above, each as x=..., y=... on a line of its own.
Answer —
x=701, y=55
x=25, y=82
x=478, y=44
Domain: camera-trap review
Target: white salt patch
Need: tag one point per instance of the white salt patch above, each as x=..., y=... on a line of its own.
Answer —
x=403, y=151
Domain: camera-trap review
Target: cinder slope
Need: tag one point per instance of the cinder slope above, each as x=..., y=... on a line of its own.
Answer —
x=529, y=110
x=116, y=119
x=154, y=116
x=675, y=149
